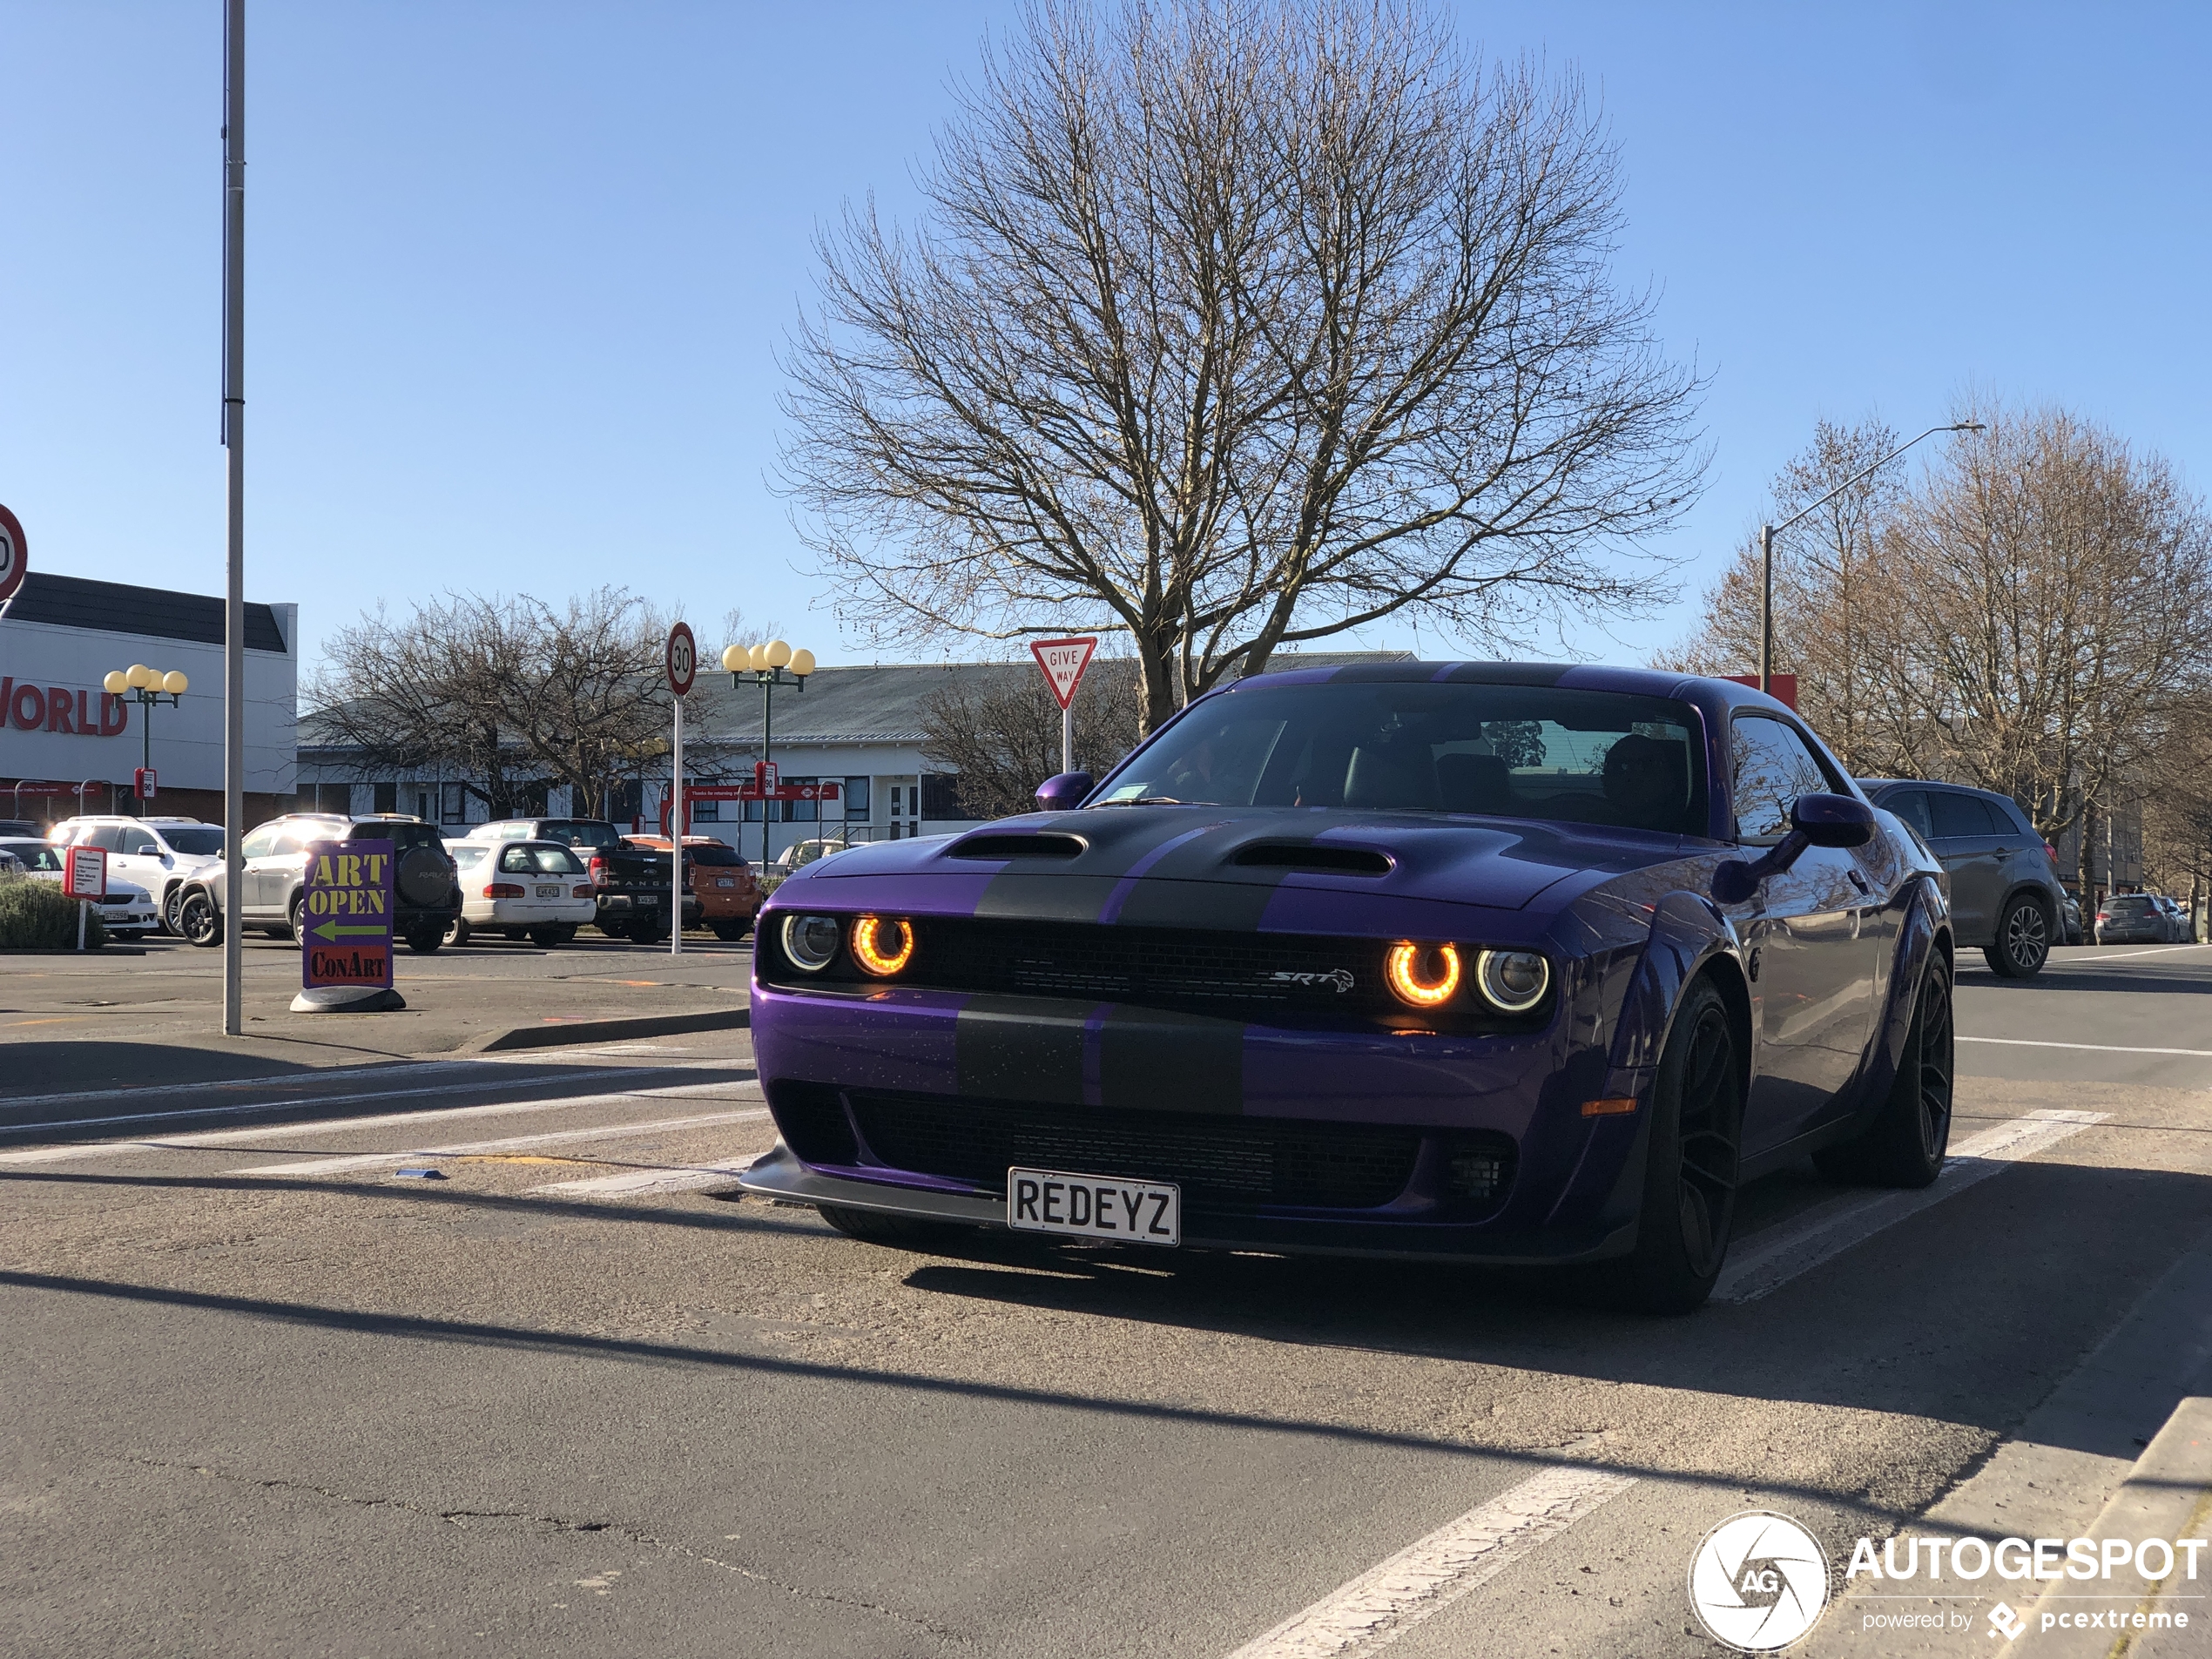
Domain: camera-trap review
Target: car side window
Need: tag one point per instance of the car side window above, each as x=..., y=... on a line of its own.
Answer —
x=1912, y=805
x=257, y=845
x=108, y=838
x=1957, y=815
x=1770, y=766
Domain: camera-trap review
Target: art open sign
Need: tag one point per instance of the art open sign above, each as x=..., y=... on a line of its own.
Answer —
x=345, y=914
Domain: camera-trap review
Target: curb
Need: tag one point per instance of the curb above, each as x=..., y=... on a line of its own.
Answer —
x=2168, y=1495
x=566, y=1032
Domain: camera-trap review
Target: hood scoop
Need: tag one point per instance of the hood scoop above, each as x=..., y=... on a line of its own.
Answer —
x=1314, y=858
x=1017, y=845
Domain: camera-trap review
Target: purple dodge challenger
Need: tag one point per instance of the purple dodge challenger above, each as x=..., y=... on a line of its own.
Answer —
x=1471, y=961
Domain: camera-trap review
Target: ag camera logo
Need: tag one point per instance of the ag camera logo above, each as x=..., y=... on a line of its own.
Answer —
x=1758, y=1581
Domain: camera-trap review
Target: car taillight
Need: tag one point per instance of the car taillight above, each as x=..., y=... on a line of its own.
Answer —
x=581, y=892
x=503, y=890
x=596, y=871
x=2050, y=853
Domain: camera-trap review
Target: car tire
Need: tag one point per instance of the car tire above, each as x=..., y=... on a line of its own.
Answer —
x=292, y=930
x=457, y=931
x=896, y=1232
x=568, y=932
x=1690, y=1165
x=2023, y=940
x=730, y=932
x=648, y=933
x=545, y=938
x=199, y=921
x=171, y=899
x=1905, y=1145
x=423, y=940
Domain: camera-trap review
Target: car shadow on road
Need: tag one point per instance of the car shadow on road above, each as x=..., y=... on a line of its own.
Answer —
x=2054, y=978
x=1968, y=1312
x=94, y=1063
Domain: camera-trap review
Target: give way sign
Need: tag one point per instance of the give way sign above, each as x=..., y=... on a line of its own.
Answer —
x=1063, y=661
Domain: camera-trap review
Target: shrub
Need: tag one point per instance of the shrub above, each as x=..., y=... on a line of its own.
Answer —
x=38, y=915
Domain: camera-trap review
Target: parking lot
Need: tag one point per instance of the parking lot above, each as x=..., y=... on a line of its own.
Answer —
x=575, y=1396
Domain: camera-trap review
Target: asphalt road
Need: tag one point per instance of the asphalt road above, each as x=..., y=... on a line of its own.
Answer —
x=267, y=1397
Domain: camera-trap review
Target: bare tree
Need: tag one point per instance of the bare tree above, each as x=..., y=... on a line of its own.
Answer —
x=1233, y=324
x=999, y=730
x=500, y=691
x=1834, y=597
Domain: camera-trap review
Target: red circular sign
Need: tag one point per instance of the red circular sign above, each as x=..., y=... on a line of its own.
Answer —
x=11, y=554
x=683, y=659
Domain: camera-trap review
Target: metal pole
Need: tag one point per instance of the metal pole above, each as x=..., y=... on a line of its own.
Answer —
x=676, y=842
x=767, y=727
x=1068, y=737
x=1766, y=609
x=234, y=506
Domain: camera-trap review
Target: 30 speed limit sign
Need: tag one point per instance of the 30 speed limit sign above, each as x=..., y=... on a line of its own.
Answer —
x=683, y=659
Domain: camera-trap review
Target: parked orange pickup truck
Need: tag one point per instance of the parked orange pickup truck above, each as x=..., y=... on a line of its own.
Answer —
x=729, y=897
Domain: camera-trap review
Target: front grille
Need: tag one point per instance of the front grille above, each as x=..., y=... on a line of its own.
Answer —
x=1215, y=972
x=1219, y=1162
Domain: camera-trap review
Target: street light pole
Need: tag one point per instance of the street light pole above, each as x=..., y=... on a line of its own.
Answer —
x=1768, y=532
x=234, y=506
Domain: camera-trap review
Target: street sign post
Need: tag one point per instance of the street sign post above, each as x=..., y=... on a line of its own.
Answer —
x=682, y=657
x=12, y=565
x=1063, y=661
x=345, y=914
x=85, y=879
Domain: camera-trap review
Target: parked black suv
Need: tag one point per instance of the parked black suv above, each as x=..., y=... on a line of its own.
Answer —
x=2005, y=893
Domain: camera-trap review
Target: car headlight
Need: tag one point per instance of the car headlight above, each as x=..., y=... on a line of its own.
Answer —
x=1512, y=982
x=882, y=945
x=811, y=942
x=1422, y=976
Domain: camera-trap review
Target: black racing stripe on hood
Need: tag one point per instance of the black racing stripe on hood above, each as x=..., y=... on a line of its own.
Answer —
x=1151, y=1060
x=1197, y=885
x=1042, y=895
x=1019, y=1048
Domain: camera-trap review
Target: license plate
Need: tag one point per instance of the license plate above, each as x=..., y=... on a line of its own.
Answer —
x=548, y=892
x=1094, y=1206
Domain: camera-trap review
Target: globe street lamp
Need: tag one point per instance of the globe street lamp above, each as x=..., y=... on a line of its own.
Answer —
x=768, y=666
x=1768, y=532
x=146, y=687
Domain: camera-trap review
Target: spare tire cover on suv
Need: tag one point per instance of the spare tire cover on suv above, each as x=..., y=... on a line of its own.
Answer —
x=423, y=879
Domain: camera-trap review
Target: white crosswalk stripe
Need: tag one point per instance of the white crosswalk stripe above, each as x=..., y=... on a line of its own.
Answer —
x=509, y=1144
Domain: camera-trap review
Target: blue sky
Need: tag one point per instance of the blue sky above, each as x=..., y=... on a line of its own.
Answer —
x=518, y=272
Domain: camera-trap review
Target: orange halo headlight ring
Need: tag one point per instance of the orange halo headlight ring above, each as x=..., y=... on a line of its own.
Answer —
x=882, y=945
x=1422, y=976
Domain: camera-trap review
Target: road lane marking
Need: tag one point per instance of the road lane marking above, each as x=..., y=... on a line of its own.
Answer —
x=1829, y=1231
x=228, y=1137
x=406, y=1068
x=244, y=1109
x=550, y=1137
x=1460, y=1556
x=682, y=1178
x=2090, y=1047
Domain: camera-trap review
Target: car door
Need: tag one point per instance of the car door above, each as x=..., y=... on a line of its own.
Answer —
x=1814, y=965
x=1967, y=839
x=268, y=874
x=137, y=858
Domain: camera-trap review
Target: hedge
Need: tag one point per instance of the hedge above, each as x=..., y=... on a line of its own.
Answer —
x=38, y=915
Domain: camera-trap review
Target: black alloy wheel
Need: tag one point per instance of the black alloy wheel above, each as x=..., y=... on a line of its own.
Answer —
x=2023, y=942
x=1905, y=1145
x=199, y=921
x=1691, y=1162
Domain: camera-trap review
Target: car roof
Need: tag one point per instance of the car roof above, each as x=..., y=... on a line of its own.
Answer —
x=1594, y=677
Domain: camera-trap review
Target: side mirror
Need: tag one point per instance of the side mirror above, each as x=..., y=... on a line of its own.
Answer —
x=1832, y=820
x=1062, y=791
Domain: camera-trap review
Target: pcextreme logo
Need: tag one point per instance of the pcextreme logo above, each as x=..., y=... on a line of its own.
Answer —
x=1758, y=1581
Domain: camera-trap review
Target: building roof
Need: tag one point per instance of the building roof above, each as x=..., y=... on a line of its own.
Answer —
x=125, y=608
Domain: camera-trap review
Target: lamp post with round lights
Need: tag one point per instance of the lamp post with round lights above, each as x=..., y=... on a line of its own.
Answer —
x=146, y=687
x=767, y=666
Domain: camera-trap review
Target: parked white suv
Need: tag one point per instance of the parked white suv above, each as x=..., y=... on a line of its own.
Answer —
x=160, y=854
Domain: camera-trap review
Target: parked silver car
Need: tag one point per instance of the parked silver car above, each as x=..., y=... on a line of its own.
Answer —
x=2004, y=892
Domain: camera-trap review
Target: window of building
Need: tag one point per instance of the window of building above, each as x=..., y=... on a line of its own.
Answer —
x=388, y=799
x=455, y=805
x=856, y=799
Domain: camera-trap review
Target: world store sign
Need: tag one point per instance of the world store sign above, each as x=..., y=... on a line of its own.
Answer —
x=77, y=711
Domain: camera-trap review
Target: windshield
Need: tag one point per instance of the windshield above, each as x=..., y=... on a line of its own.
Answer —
x=2128, y=907
x=579, y=833
x=193, y=840
x=715, y=856
x=1501, y=751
